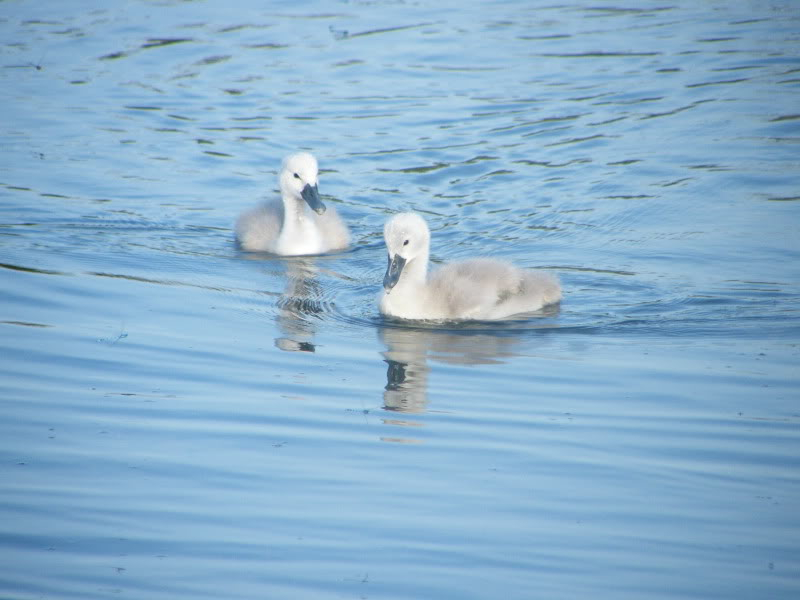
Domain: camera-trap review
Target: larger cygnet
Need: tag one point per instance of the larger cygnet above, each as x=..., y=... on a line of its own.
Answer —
x=476, y=289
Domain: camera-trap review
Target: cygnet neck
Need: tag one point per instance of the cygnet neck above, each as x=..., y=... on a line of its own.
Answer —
x=417, y=268
x=414, y=276
x=294, y=207
x=299, y=232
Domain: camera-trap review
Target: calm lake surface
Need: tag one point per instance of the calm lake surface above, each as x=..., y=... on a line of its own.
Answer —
x=183, y=420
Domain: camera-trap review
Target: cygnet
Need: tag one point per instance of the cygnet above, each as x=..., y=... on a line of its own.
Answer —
x=475, y=289
x=288, y=226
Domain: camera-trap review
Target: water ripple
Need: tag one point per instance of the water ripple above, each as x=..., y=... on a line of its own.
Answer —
x=168, y=399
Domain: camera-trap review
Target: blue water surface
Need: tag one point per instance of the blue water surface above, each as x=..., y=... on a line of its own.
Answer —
x=184, y=420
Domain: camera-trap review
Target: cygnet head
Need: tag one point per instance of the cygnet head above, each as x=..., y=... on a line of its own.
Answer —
x=299, y=179
x=407, y=241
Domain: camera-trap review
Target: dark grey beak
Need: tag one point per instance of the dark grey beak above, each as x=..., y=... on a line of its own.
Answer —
x=393, y=271
x=311, y=195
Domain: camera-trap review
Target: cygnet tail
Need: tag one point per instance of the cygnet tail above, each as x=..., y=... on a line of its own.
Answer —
x=547, y=286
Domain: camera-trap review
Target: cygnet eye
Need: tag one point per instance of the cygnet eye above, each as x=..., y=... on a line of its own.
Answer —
x=296, y=176
x=405, y=243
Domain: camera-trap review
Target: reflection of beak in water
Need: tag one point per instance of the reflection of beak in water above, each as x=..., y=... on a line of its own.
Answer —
x=299, y=301
x=406, y=385
x=408, y=350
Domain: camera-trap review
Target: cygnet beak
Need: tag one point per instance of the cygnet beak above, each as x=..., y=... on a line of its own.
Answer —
x=311, y=195
x=393, y=271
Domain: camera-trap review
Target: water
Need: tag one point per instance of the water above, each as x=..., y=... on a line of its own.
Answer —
x=183, y=420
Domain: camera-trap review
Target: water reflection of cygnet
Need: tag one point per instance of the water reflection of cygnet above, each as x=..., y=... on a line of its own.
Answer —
x=300, y=300
x=408, y=350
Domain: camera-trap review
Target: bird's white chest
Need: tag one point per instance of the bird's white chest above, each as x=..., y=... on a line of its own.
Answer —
x=300, y=236
x=405, y=302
